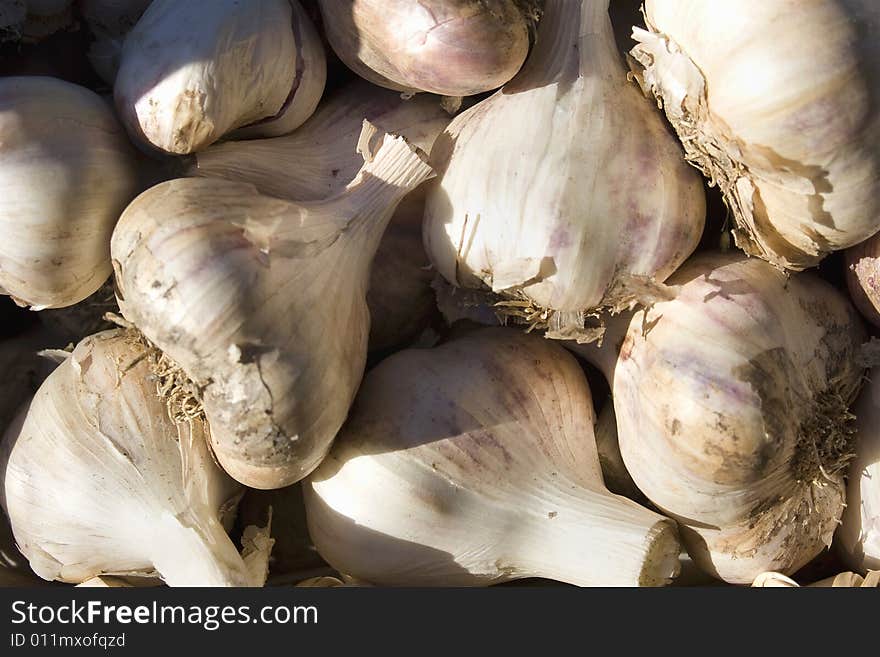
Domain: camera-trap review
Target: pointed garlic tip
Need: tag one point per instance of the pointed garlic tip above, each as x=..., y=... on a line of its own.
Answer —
x=549, y=251
x=443, y=477
x=798, y=164
x=858, y=537
x=192, y=71
x=96, y=478
x=66, y=173
x=447, y=47
x=732, y=412
x=235, y=288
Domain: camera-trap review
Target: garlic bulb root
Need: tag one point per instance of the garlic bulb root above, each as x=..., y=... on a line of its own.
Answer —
x=473, y=463
x=96, y=479
x=787, y=128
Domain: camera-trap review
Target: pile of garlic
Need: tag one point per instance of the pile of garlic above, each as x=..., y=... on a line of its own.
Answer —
x=336, y=294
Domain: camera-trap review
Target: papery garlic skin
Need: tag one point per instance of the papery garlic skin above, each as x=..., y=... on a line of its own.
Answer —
x=858, y=538
x=563, y=192
x=66, y=173
x=261, y=302
x=97, y=479
x=319, y=159
x=785, y=121
x=193, y=71
x=474, y=463
x=732, y=411
x=446, y=47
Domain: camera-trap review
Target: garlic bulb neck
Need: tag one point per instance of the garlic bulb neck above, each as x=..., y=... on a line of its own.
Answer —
x=441, y=476
x=261, y=302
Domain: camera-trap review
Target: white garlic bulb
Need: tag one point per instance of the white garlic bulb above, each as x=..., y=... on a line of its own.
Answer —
x=784, y=120
x=97, y=479
x=448, y=47
x=732, y=410
x=261, y=302
x=858, y=537
x=319, y=159
x=474, y=463
x=193, y=71
x=563, y=193
x=66, y=173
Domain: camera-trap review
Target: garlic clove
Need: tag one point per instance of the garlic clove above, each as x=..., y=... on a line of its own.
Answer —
x=783, y=120
x=563, y=193
x=97, y=479
x=261, y=302
x=447, y=47
x=774, y=580
x=193, y=71
x=474, y=463
x=66, y=173
x=858, y=537
x=732, y=409
x=863, y=278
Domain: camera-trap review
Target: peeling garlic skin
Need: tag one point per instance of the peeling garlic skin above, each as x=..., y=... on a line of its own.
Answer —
x=447, y=47
x=566, y=182
x=718, y=395
x=786, y=121
x=68, y=172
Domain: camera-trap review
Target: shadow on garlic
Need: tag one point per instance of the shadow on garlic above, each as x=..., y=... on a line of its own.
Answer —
x=473, y=463
x=262, y=302
x=785, y=121
x=193, y=71
x=66, y=173
x=563, y=193
x=732, y=404
x=110, y=21
x=98, y=480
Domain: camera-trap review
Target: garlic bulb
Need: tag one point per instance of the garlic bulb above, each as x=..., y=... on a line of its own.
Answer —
x=732, y=410
x=858, y=537
x=110, y=22
x=261, y=302
x=193, y=71
x=96, y=479
x=784, y=121
x=563, y=193
x=66, y=173
x=447, y=47
x=842, y=580
x=33, y=20
x=863, y=278
x=474, y=463
x=319, y=159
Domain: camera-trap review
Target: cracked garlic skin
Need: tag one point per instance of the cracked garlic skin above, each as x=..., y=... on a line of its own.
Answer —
x=732, y=409
x=858, y=538
x=66, y=173
x=563, y=192
x=319, y=159
x=97, y=479
x=193, y=71
x=446, y=47
x=784, y=119
x=474, y=463
x=261, y=302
